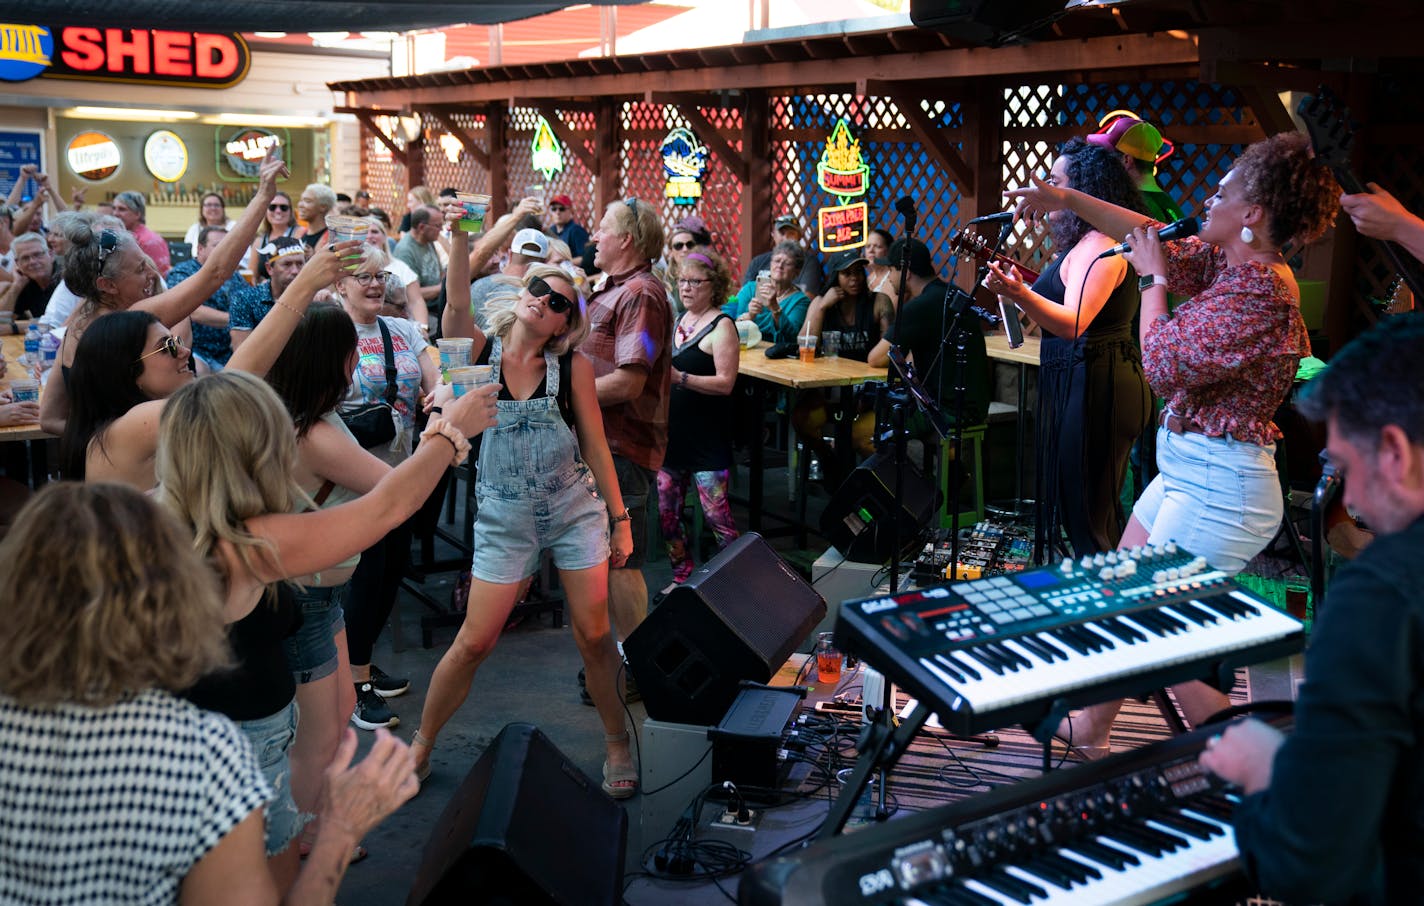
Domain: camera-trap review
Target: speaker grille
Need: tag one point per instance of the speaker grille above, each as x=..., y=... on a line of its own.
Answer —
x=761, y=599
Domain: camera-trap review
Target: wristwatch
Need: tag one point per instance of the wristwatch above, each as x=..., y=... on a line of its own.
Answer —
x=625, y=517
x=1147, y=281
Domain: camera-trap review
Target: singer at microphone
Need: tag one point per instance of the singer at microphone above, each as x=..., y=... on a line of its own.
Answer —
x=1001, y=217
x=1187, y=226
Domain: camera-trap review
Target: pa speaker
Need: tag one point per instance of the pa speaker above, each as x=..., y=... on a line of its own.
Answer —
x=736, y=618
x=526, y=827
x=859, y=520
x=992, y=22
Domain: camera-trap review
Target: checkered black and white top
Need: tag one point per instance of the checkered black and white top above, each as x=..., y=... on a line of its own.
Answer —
x=116, y=804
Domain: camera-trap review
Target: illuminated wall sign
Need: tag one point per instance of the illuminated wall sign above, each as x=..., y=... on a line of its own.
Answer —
x=240, y=151
x=93, y=155
x=145, y=56
x=842, y=172
x=165, y=156
x=684, y=163
x=546, y=155
x=843, y=226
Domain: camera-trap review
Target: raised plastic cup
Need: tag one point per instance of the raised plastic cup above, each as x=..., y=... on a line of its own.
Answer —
x=476, y=206
x=454, y=352
x=341, y=228
x=467, y=377
x=808, y=347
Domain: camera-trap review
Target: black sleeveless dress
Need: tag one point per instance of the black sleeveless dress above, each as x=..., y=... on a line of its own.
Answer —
x=859, y=338
x=1093, y=404
x=699, y=426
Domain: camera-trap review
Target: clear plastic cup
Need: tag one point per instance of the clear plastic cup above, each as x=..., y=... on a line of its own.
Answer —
x=828, y=659
x=476, y=206
x=808, y=347
x=25, y=390
x=468, y=377
x=341, y=227
x=831, y=343
x=454, y=351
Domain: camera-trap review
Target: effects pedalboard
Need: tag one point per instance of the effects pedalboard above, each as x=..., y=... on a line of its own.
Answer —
x=988, y=549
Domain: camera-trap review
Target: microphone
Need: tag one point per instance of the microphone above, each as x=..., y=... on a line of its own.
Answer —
x=1001, y=217
x=906, y=207
x=1187, y=226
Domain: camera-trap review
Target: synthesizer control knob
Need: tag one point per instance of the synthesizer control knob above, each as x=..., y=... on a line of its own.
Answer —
x=1135, y=553
x=1086, y=563
x=1067, y=566
x=1173, y=573
x=1106, y=574
x=1111, y=556
x=1171, y=547
x=1099, y=559
x=1159, y=577
x=1124, y=569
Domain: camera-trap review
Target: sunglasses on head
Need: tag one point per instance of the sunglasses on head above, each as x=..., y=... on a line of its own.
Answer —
x=169, y=344
x=279, y=207
x=558, y=302
x=108, y=242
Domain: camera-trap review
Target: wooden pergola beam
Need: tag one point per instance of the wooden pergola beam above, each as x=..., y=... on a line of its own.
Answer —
x=1126, y=51
x=566, y=135
x=369, y=121
x=933, y=139
x=459, y=132
x=689, y=107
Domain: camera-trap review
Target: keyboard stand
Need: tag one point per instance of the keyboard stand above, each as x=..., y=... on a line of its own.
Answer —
x=881, y=745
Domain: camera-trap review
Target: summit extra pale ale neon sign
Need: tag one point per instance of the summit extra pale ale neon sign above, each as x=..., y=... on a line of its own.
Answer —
x=132, y=55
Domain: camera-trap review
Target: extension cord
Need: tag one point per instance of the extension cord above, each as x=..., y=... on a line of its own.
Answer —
x=729, y=819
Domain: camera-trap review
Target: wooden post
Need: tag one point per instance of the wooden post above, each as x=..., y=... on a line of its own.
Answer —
x=983, y=116
x=609, y=156
x=415, y=162
x=495, y=129
x=756, y=195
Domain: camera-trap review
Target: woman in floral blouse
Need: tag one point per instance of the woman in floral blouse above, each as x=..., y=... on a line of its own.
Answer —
x=1223, y=361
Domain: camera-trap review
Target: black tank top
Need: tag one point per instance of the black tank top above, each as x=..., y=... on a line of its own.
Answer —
x=261, y=683
x=699, y=425
x=859, y=338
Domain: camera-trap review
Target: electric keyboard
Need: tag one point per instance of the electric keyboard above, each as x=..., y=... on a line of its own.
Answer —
x=1025, y=647
x=1137, y=828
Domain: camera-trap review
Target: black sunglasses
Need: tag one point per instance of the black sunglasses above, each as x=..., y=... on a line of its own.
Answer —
x=279, y=207
x=169, y=344
x=684, y=246
x=558, y=302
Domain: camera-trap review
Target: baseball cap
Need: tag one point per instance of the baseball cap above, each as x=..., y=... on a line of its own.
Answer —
x=564, y=200
x=920, y=262
x=530, y=243
x=1133, y=137
x=282, y=246
x=841, y=261
x=787, y=220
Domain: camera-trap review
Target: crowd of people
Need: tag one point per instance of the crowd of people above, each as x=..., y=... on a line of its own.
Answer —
x=249, y=436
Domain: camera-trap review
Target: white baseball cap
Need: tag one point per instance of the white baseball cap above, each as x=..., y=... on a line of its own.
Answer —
x=530, y=243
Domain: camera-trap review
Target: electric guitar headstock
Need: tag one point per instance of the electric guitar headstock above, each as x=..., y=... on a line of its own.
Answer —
x=1331, y=135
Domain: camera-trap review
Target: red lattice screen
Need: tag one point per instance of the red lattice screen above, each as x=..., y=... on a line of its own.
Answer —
x=382, y=175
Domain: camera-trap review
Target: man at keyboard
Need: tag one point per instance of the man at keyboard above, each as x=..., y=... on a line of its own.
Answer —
x=1335, y=812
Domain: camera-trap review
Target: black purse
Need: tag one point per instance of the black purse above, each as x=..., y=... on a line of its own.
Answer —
x=374, y=424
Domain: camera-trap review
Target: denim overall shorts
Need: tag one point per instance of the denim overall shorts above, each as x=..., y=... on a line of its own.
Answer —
x=534, y=491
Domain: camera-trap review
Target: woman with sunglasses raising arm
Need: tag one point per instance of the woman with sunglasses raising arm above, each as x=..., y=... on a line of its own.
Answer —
x=546, y=482
x=125, y=371
x=106, y=268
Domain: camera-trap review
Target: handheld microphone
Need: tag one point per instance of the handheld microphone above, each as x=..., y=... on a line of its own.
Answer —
x=1001, y=217
x=1187, y=226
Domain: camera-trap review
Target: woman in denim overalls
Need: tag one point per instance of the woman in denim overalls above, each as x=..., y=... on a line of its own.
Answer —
x=540, y=487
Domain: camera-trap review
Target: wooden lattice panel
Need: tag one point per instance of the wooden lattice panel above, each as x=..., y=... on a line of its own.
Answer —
x=447, y=163
x=383, y=176
x=574, y=180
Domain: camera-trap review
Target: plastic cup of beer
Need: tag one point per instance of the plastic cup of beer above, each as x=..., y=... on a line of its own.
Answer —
x=467, y=377
x=25, y=390
x=454, y=352
x=831, y=343
x=808, y=347
x=341, y=228
x=828, y=659
x=476, y=206
x=1298, y=597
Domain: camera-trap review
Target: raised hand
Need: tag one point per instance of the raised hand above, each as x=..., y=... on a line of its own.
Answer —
x=272, y=169
x=1035, y=200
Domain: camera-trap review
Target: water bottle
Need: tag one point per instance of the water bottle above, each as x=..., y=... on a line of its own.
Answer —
x=49, y=349
x=32, y=344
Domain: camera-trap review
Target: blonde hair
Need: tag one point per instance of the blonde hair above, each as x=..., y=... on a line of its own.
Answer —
x=104, y=597
x=226, y=453
x=502, y=319
x=424, y=195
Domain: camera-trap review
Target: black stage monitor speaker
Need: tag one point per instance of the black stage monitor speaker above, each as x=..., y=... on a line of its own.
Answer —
x=986, y=21
x=737, y=618
x=526, y=827
x=858, y=518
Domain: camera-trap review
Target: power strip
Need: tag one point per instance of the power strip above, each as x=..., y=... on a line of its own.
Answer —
x=840, y=709
x=728, y=819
